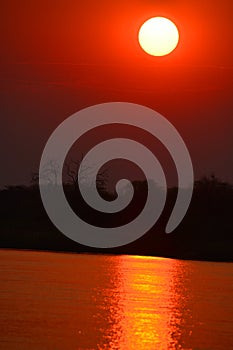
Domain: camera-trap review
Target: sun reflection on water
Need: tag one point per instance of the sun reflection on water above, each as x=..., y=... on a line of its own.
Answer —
x=143, y=306
x=83, y=302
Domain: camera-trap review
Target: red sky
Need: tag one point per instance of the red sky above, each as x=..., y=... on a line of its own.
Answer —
x=57, y=57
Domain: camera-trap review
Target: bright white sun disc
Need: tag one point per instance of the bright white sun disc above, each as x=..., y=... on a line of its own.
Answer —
x=158, y=36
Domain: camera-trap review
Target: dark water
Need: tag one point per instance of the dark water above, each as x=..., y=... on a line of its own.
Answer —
x=67, y=301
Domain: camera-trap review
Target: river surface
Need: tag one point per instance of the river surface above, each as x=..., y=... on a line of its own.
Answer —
x=79, y=301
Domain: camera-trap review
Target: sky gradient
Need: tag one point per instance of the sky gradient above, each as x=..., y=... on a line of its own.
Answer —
x=61, y=56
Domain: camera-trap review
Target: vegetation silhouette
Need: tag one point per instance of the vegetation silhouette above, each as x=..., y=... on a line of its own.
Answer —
x=204, y=234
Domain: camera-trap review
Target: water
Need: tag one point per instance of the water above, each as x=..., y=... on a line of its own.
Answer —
x=68, y=301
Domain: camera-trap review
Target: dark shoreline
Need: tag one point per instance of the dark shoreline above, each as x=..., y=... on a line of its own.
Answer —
x=205, y=234
x=114, y=254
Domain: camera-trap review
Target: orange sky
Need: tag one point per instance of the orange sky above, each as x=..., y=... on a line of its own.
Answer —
x=59, y=56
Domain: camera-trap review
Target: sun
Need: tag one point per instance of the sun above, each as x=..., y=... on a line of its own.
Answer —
x=158, y=36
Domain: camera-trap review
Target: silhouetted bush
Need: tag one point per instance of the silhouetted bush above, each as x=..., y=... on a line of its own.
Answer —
x=205, y=232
